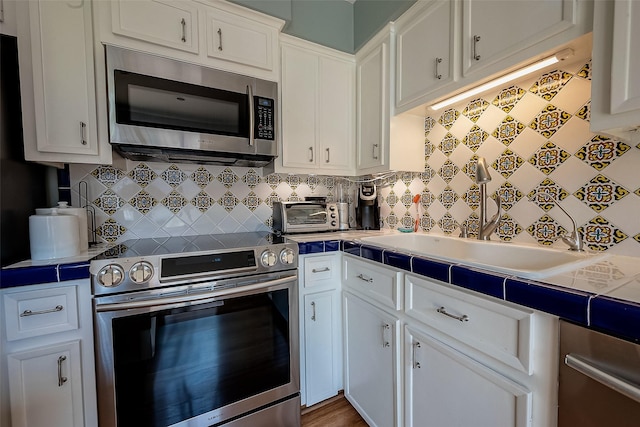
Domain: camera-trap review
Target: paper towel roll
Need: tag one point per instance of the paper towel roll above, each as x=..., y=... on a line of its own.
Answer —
x=83, y=232
x=53, y=236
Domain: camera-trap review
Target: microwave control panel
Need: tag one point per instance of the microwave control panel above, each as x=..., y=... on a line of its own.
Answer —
x=264, y=111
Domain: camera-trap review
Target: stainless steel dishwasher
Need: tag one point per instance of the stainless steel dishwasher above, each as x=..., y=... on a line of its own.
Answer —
x=599, y=379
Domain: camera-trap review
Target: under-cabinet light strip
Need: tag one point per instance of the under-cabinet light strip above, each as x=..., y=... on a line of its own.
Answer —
x=506, y=78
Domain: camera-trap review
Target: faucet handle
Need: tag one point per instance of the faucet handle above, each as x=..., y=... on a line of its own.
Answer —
x=464, y=233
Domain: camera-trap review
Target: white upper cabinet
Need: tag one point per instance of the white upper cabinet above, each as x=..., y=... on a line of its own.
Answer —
x=384, y=141
x=615, y=90
x=494, y=30
x=233, y=38
x=471, y=41
x=55, y=41
x=317, y=109
x=167, y=23
x=213, y=33
x=426, y=55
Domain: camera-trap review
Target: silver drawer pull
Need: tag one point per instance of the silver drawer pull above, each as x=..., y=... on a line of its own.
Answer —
x=320, y=270
x=416, y=364
x=365, y=278
x=61, y=379
x=463, y=318
x=313, y=307
x=35, y=313
x=385, y=328
x=183, y=25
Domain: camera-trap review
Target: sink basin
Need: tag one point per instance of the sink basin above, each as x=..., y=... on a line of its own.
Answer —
x=525, y=261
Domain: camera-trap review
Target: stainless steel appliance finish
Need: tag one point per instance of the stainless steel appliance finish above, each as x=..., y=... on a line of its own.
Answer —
x=304, y=217
x=165, y=110
x=197, y=331
x=599, y=379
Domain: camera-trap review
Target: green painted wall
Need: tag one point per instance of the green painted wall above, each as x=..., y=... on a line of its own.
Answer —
x=334, y=23
x=371, y=15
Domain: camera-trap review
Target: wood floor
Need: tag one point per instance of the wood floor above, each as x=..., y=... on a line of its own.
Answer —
x=337, y=412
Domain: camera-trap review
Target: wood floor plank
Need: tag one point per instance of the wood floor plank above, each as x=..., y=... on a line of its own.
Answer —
x=338, y=413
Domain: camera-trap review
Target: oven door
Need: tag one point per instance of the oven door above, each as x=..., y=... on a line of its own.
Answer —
x=199, y=358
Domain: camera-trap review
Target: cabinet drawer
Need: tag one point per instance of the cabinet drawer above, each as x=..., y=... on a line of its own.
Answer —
x=34, y=313
x=322, y=270
x=383, y=284
x=500, y=331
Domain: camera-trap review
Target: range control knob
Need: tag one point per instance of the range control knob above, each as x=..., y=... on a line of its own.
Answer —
x=333, y=223
x=268, y=258
x=287, y=256
x=141, y=272
x=110, y=275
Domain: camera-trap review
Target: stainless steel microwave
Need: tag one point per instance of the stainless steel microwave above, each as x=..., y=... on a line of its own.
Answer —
x=167, y=110
x=304, y=217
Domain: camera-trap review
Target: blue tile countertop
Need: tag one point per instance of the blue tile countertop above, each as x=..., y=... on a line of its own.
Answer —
x=48, y=271
x=604, y=295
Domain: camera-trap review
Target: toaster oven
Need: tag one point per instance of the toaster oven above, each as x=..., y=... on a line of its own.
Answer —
x=304, y=217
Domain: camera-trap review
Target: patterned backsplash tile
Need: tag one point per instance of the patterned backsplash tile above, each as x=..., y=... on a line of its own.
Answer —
x=534, y=135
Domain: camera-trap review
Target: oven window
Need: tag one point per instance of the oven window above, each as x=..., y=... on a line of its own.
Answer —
x=176, y=364
x=306, y=214
x=154, y=102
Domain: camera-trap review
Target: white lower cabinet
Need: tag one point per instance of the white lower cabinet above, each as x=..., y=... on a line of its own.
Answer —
x=444, y=387
x=45, y=384
x=47, y=373
x=371, y=357
x=424, y=353
x=320, y=328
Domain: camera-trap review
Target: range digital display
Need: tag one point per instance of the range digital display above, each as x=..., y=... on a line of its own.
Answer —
x=209, y=263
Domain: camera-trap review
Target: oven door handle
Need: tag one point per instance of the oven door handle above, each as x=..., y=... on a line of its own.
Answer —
x=211, y=296
x=620, y=385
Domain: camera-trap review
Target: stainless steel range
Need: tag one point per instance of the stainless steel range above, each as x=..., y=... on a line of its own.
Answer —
x=198, y=331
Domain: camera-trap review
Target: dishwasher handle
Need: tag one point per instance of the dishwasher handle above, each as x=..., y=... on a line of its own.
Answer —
x=608, y=379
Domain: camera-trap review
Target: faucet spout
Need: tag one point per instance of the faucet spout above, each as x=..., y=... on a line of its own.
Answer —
x=573, y=240
x=486, y=228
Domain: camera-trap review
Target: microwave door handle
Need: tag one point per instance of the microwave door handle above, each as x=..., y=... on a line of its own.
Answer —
x=251, y=115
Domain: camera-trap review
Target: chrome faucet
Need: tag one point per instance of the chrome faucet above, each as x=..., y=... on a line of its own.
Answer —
x=485, y=229
x=573, y=240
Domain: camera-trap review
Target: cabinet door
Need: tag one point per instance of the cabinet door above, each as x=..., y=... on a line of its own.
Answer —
x=425, y=54
x=494, y=29
x=336, y=108
x=450, y=389
x=319, y=336
x=234, y=38
x=172, y=24
x=45, y=386
x=373, y=107
x=60, y=38
x=370, y=362
x=625, y=65
x=615, y=88
x=299, y=92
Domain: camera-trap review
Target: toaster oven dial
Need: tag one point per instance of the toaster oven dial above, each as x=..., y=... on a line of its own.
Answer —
x=110, y=275
x=287, y=256
x=268, y=258
x=141, y=272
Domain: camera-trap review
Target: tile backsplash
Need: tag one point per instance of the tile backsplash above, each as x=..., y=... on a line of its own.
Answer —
x=534, y=135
